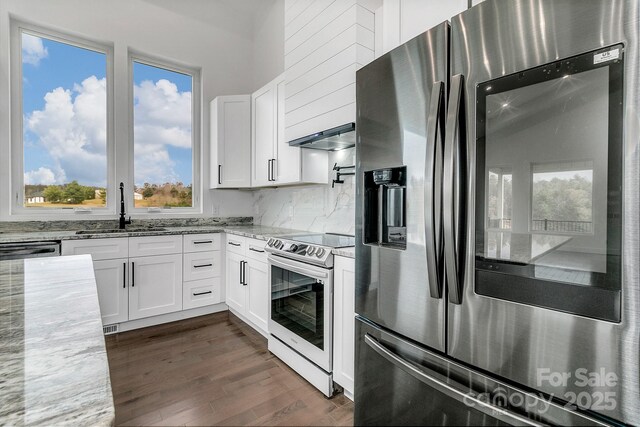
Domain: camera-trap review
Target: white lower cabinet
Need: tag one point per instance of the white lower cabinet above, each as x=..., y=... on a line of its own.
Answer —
x=156, y=285
x=247, y=281
x=236, y=293
x=257, y=293
x=142, y=277
x=113, y=292
x=344, y=323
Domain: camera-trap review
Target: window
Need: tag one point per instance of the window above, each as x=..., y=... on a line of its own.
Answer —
x=61, y=116
x=164, y=112
x=562, y=197
x=500, y=199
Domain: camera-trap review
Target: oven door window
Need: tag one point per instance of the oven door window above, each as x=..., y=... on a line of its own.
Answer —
x=549, y=185
x=297, y=303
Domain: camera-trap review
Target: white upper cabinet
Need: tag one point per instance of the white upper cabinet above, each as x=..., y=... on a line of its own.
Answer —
x=274, y=162
x=264, y=134
x=325, y=43
x=402, y=20
x=230, y=142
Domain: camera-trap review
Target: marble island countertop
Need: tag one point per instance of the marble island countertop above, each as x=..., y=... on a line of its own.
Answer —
x=53, y=364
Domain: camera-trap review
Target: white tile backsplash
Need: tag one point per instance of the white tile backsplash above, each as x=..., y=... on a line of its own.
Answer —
x=317, y=208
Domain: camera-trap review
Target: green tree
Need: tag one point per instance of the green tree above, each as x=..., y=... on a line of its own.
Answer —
x=74, y=193
x=103, y=195
x=53, y=194
x=89, y=193
x=147, y=192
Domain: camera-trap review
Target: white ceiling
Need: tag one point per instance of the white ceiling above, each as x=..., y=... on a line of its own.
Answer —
x=222, y=13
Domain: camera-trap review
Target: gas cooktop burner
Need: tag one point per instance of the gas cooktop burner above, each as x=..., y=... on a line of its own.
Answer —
x=327, y=239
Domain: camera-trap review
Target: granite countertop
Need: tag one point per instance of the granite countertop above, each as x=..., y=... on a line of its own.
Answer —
x=253, y=231
x=53, y=362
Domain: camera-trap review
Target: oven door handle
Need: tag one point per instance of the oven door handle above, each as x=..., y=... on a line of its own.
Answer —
x=300, y=268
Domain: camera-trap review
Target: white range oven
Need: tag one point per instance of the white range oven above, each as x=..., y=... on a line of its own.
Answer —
x=301, y=313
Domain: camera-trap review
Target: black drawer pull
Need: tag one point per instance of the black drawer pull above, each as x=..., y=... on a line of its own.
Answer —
x=202, y=242
x=195, y=294
x=202, y=265
x=234, y=243
x=255, y=250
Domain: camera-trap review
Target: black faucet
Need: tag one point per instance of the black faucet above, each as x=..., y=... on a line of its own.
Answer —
x=123, y=221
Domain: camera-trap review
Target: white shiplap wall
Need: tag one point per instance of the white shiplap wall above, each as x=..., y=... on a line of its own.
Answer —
x=326, y=41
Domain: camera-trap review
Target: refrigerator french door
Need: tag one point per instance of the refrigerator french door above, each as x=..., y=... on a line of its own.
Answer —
x=548, y=293
x=527, y=211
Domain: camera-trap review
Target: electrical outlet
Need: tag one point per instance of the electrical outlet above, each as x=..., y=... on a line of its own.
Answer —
x=215, y=210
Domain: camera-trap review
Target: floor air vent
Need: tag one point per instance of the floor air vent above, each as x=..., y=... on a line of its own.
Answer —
x=111, y=329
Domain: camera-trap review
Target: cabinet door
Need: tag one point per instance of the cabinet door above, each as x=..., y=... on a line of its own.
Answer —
x=258, y=298
x=231, y=142
x=235, y=290
x=113, y=292
x=344, y=323
x=287, y=159
x=155, y=285
x=264, y=132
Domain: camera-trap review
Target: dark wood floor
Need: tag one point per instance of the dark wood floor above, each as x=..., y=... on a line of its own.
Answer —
x=212, y=370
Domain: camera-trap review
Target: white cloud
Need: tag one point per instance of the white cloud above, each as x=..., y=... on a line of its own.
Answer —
x=162, y=119
x=72, y=129
x=43, y=176
x=73, y=132
x=33, y=49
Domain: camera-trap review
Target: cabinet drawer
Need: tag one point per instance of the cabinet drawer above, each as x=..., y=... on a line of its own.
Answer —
x=201, y=242
x=236, y=244
x=199, y=293
x=155, y=245
x=99, y=249
x=201, y=265
x=255, y=250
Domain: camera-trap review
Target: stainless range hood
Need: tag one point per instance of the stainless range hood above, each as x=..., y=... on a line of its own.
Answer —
x=333, y=139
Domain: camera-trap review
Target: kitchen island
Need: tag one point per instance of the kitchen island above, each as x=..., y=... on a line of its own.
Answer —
x=53, y=362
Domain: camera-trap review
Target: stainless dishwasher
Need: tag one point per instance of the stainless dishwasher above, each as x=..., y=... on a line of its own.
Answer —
x=29, y=250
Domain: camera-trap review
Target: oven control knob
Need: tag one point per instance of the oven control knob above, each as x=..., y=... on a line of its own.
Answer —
x=320, y=252
x=311, y=250
x=293, y=248
x=277, y=244
x=270, y=242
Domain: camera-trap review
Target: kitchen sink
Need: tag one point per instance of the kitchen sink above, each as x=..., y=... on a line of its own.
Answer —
x=117, y=230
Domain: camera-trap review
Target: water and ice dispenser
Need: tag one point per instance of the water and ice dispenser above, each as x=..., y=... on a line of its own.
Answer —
x=385, y=201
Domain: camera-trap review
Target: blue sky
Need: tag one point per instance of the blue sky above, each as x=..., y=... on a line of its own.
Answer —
x=48, y=65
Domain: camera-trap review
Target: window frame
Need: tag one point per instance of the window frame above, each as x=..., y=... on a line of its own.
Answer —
x=17, y=208
x=196, y=135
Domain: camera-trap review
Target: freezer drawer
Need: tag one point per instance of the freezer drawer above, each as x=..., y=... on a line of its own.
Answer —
x=399, y=383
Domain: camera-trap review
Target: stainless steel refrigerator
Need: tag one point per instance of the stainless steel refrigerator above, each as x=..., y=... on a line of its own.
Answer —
x=497, y=219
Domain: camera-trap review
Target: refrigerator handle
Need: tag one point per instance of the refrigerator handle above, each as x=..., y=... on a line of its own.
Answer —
x=453, y=190
x=448, y=387
x=433, y=190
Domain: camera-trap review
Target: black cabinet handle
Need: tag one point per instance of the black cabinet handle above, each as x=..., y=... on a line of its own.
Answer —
x=244, y=273
x=202, y=265
x=269, y=170
x=202, y=242
x=124, y=274
x=241, y=270
x=219, y=174
x=195, y=294
x=255, y=250
x=133, y=274
x=234, y=244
